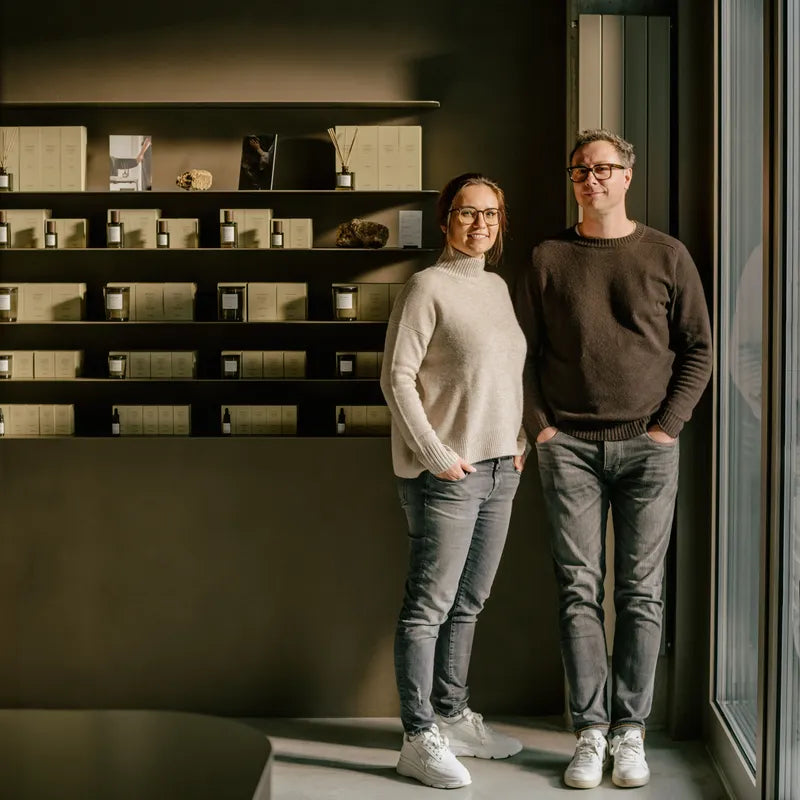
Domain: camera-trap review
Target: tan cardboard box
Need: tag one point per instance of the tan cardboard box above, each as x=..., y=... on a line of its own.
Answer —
x=242, y=421
x=294, y=364
x=149, y=420
x=184, y=233
x=28, y=422
x=68, y=301
x=252, y=364
x=373, y=301
x=179, y=301
x=161, y=364
x=30, y=159
x=44, y=364
x=262, y=301
x=139, y=364
x=50, y=152
x=64, y=414
x=273, y=366
x=72, y=233
x=388, y=158
x=366, y=365
x=26, y=226
x=37, y=305
x=289, y=420
x=23, y=365
x=47, y=420
x=149, y=302
x=182, y=420
x=254, y=229
x=73, y=158
x=358, y=421
x=409, y=157
x=139, y=227
x=274, y=420
x=300, y=234
x=292, y=301
x=258, y=420
x=130, y=420
x=166, y=421
x=376, y=420
x=184, y=364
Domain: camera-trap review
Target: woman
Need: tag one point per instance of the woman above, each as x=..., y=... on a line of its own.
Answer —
x=452, y=377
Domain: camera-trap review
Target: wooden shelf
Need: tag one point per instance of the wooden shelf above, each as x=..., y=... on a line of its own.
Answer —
x=179, y=105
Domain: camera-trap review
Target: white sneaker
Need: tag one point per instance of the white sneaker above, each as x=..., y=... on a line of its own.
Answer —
x=630, y=767
x=469, y=735
x=585, y=771
x=426, y=757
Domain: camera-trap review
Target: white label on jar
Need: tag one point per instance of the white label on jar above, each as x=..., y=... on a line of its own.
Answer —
x=114, y=300
x=3, y=234
x=227, y=233
x=340, y=427
x=5, y=302
x=346, y=366
x=49, y=240
x=276, y=240
x=344, y=300
x=114, y=234
x=345, y=179
x=115, y=365
x=231, y=366
x=226, y=427
x=115, y=428
x=230, y=301
x=2, y=429
x=3, y=181
x=163, y=239
x=3, y=364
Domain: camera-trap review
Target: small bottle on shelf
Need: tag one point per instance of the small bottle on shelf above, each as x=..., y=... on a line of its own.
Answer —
x=115, y=423
x=2, y=423
x=226, y=423
x=6, y=180
x=5, y=231
x=162, y=235
x=345, y=180
x=50, y=235
x=6, y=366
x=341, y=422
x=276, y=236
x=114, y=230
x=228, y=234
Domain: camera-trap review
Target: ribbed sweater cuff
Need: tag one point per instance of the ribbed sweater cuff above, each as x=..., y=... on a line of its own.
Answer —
x=669, y=422
x=437, y=457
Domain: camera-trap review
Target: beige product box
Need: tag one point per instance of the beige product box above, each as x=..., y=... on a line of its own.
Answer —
x=149, y=302
x=358, y=421
x=150, y=420
x=166, y=421
x=292, y=301
x=252, y=364
x=64, y=416
x=44, y=364
x=246, y=294
x=26, y=226
x=184, y=233
x=258, y=420
x=179, y=301
x=377, y=423
x=274, y=420
x=289, y=420
x=388, y=158
x=184, y=364
x=161, y=364
x=242, y=421
x=14, y=415
x=50, y=150
x=132, y=423
x=68, y=301
x=139, y=226
x=373, y=301
x=300, y=234
x=294, y=364
x=67, y=363
x=254, y=229
x=139, y=364
x=9, y=143
x=181, y=420
x=73, y=158
x=37, y=305
x=272, y=364
x=366, y=365
x=47, y=420
x=28, y=422
x=131, y=296
x=23, y=365
x=410, y=157
x=72, y=232
x=30, y=159
x=262, y=302
x=364, y=157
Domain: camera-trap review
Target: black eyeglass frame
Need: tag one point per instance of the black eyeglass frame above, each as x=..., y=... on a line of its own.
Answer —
x=592, y=170
x=479, y=211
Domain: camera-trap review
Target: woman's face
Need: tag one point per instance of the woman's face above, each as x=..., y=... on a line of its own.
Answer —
x=475, y=237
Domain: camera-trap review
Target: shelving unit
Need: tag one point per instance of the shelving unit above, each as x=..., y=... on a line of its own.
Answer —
x=303, y=181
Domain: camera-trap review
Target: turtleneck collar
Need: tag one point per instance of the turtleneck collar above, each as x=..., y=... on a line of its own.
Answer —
x=460, y=265
x=620, y=241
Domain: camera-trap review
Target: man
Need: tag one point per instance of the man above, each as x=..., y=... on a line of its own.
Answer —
x=619, y=353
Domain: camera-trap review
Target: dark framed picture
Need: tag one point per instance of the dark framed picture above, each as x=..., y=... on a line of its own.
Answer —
x=258, y=161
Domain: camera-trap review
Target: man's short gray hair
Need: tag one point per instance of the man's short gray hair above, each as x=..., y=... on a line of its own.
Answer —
x=625, y=149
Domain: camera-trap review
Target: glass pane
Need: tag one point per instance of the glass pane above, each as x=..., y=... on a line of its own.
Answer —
x=789, y=687
x=739, y=348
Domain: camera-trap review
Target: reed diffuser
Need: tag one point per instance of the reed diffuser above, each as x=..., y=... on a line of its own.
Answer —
x=8, y=140
x=345, y=178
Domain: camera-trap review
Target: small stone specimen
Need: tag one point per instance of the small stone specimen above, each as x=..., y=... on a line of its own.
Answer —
x=361, y=233
x=195, y=180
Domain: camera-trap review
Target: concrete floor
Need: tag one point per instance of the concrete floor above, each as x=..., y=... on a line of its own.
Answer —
x=354, y=759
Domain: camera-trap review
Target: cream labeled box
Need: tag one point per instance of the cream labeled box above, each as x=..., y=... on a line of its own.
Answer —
x=252, y=364
x=139, y=364
x=272, y=361
x=373, y=301
x=139, y=225
x=23, y=364
x=38, y=303
x=9, y=140
x=243, y=421
x=409, y=173
x=150, y=420
x=26, y=226
x=181, y=420
x=130, y=420
x=274, y=420
x=262, y=302
x=68, y=301
x=366, y=365
x=28, y=422
x=44, y=364
x=50, y=154
x=179, y=301
x=184, y=233
x=300, y=234
x=245, y=300
x=165, y=420
x=254, y=230
x=258, y=420
x=160, y=364
x=149, y=302
x=358, y=421
x=30, y=159
x=291, y=301
x=184, y=364
x=47, y=420
x=294, y=363
x=388, y=158
x=377, y=422
x=64, y=414
x=67, y=363
x=289, y=420
x=409, y=229
x=72, y=232
x=73, y=158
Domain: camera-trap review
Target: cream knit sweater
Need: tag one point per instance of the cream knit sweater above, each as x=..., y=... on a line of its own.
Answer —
x=452, y=369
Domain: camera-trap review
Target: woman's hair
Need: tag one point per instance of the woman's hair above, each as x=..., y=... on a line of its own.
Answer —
x=445, y=203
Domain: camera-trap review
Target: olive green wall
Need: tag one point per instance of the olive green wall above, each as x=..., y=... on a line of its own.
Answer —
x=263, y=576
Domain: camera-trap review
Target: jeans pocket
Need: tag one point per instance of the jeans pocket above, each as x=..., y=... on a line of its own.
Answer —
x=555, y=436
x=660, y=444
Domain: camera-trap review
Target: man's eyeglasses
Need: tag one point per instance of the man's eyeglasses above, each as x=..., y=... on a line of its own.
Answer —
x=468, y=214
x=601, y=171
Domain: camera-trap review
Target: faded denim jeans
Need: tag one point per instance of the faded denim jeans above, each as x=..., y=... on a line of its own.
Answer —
x=457, y=530
x=638, y=478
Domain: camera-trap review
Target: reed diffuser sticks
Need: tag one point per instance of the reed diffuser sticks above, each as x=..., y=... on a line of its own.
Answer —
x=345, y=159
x=7, y=142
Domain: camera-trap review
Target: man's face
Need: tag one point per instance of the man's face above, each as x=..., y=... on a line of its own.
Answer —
x=600, y=196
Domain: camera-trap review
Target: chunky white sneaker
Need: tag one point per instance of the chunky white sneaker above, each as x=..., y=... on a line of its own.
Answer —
x=426, y=757
x=585, y=771
x=469, y=735
x=630, y=767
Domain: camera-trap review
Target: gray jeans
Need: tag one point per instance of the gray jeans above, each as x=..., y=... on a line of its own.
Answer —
x=638, y=478
x=457, y=530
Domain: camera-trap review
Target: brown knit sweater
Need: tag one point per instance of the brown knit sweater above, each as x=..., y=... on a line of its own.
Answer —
x=618, y=335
